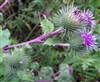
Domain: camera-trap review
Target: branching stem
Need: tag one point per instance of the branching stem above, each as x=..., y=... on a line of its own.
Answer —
x=39, y=39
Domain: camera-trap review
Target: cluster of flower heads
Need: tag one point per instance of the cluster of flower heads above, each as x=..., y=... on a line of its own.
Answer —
x=88, y=39
x=72, y=19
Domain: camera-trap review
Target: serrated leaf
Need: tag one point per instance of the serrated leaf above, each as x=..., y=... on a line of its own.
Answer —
x=47, y=26
x=49, y=42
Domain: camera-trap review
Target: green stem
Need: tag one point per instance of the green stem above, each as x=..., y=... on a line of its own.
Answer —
x=83, y=80
x=6, y=77
x=31, y=32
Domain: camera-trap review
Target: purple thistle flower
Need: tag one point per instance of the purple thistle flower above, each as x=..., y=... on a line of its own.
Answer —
x=77, y=12
x=87, y=16
x=89, y=40
x=47, y=14
x=70, y=69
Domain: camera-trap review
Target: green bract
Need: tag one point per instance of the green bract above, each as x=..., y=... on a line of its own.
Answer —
x=66, y=19
x=76, y=43
x=17, y=61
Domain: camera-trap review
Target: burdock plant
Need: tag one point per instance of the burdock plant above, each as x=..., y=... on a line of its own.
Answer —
x=78, y=27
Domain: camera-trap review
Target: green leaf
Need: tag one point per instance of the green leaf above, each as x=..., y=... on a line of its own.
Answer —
x=1, y=17
x=34, y=66
x=41, y=2
x=47, y=26
x=20, y=74
x=2, y=55
x=97, y=65
x=48, y=71
x=49, y=42
x=97, y=29
x=15, y=80
x=6, y=33
x=4, y=37
x=25, y=76
x=87, y=61
x=2, y=70
x=4, y=41
x=70, y=60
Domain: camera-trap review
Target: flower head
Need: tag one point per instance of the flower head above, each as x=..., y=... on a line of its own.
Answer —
x=87, y=16
x=68, y=18
x=89, y=40
x=71, y=70
x=77, y=12
x=47, y=14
